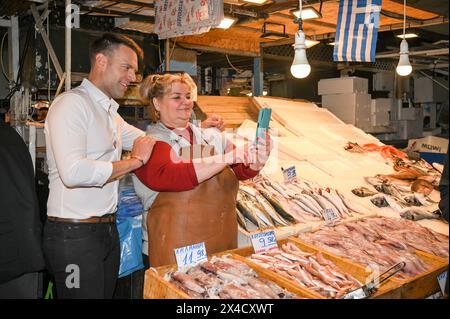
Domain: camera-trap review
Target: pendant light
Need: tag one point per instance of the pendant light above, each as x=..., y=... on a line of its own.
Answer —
x=404, y=68
x=300, y=67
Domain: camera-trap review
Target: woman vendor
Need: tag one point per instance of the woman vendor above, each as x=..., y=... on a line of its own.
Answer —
x=190, y=183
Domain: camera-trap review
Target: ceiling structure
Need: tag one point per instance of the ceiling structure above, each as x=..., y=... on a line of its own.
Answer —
x=243, y=40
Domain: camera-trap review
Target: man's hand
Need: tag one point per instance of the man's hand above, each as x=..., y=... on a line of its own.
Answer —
x=214, y=121
x=142, y=148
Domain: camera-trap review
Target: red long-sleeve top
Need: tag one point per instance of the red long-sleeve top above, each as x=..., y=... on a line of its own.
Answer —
x=166, y=172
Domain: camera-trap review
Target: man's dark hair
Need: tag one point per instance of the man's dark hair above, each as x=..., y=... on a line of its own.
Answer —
x=109, y=42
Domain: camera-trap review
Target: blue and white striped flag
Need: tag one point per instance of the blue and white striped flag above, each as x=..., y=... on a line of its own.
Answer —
x=357, y=30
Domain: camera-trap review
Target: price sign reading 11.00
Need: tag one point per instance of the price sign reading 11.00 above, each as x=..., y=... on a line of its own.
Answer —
x=190, y=255
x=264, y=241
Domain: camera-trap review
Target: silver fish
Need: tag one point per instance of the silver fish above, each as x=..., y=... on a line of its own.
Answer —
x=413, y=213
x=379, y=201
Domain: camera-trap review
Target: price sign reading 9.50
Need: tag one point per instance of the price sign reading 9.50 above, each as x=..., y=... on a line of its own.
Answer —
x=190, y=255
x=264, y=241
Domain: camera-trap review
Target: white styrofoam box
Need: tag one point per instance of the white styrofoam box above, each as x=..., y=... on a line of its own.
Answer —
x=350, y=84
x=381, y=105
x=408, y=129
x=348, y=107
x=409, y=113
x=380, y=119
x=432, y=144
x=429, y=110
x=425, y=90
x=383, y=81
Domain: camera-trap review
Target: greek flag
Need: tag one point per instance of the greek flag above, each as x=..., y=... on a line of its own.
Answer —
x=357, y=30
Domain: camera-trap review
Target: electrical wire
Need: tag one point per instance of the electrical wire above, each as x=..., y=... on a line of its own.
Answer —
x=239, y=71
x=1, y=58
x=404, y=18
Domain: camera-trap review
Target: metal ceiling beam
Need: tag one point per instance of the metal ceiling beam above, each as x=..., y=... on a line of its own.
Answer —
x=434, y=52
x=391, y=27
x=135, y=17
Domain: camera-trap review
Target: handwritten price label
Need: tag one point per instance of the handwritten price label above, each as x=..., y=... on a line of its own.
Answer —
x=190, y=255
x=264, y=241
x=289, y=174
x=441, y=279
x=330, y=215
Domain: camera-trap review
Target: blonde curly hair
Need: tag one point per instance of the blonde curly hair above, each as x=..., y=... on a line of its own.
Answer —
x=157, y=85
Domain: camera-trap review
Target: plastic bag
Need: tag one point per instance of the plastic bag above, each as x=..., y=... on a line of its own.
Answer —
x=130, y=232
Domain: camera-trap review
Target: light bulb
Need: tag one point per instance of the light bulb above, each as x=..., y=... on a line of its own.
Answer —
x=300, y=67
x=404, y=68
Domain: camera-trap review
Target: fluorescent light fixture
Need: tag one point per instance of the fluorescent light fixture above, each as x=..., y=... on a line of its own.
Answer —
x=407, y=35
x=331, y=43
x=300, y=67
x=310, y=43
x=226, y=23
x=307, y=13
x=404, y=68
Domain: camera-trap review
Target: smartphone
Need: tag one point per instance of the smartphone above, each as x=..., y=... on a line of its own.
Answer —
x=263, y=122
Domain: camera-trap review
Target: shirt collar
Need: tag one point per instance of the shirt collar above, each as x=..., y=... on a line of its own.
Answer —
x=98, y=96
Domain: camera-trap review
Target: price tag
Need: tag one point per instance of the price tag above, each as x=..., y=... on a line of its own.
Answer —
x=190, y=255
x=264, y=241
x=356, y=294
x=329, y=215
x=289, y=174
x=442, y=278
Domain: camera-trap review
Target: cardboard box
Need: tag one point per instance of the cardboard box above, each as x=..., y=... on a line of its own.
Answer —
x=351, y=84
x=350, y=107
x=430, y=144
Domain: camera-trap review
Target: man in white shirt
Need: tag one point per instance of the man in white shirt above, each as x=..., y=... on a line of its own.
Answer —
x=84, y=139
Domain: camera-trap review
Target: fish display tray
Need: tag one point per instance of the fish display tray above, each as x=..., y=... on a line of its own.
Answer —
x=425, y=284
x=389, y=289
x=156, y=287
x=420, y=286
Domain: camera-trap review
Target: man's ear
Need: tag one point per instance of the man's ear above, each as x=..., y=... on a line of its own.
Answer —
x=101, y=61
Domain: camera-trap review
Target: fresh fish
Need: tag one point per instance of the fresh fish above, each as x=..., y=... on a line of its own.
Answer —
x=413, y=213
x=247, y=212
x=379, y=201
x=412, y=200
x=270, y=210
x=241, y=219
x=278, y=206
x=363, y=192
x=353, y=206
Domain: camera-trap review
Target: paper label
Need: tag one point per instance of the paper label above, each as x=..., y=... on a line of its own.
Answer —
x=289, y=174
x=264, y=241
x=442, y=279
x=190, y=255
x=330, y=215
x=356, y=294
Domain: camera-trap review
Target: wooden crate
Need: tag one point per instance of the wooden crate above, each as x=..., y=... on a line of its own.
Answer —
x=425, y=284
x=417, y=287
x=156, y=287
x=389, y=289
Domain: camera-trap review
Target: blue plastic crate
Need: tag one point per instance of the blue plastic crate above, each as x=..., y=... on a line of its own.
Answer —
x=433, y=157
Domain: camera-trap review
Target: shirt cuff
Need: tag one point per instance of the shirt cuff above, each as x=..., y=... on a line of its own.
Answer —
x=103, y=172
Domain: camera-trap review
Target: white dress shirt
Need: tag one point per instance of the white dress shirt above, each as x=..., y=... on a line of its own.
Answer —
x=84, y=135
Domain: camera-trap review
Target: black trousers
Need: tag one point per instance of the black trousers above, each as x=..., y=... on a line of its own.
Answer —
x=83, y=258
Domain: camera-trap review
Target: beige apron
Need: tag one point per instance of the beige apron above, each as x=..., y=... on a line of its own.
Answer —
x=204, y=214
